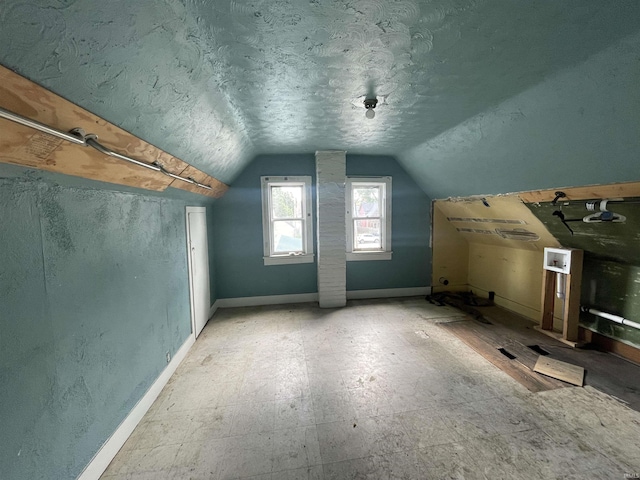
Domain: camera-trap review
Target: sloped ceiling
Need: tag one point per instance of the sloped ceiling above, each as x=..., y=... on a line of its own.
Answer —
x=496, y=221
x=217, y=82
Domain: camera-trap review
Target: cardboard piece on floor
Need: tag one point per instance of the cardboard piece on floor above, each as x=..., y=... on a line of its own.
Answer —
x=561, y=370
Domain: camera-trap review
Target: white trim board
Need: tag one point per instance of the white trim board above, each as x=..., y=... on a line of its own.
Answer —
x=266, y=300
x=313, y=297
x=213, y=309
x=107, y=452
x=388, y=293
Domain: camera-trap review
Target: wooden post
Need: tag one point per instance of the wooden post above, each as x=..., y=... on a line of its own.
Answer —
x=548, y=299
x=571, y=312
x=572, y=298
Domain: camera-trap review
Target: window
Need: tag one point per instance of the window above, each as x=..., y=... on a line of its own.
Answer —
x=286, y=220
x=368, y=218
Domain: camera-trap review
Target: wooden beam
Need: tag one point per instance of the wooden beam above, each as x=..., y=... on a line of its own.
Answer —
x=24, y=146
x=615, y=190
x=218, y=188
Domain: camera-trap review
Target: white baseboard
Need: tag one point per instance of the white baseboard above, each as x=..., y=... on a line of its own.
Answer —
x=388, y=293
x=313, y=297
x=213, y=309
x=104, y=456
x=531, y=313
x=266, y=300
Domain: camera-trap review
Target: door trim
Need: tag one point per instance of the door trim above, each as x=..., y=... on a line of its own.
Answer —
x=189, y=262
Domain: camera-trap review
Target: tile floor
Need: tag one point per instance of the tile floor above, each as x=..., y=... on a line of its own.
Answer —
x=375, y=390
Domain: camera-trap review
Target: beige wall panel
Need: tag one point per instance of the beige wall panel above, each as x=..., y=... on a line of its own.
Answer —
x=501, y=208
x=515, y=275
x=450, y=254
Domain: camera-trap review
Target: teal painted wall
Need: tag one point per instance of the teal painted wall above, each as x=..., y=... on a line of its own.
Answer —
x=237, y=233
x=94, y=293
x=410, y=265
x=579, y=127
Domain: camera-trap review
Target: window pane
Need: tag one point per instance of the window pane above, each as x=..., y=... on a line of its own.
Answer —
x=287, y=236
x=286, y=202
x=366, y=201
x=367, y=234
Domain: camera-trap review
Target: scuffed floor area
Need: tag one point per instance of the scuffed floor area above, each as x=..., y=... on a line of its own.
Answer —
x=375, y=390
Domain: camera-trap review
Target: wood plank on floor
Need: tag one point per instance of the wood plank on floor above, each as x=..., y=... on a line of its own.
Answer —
x=471, y=333
x=561, y=370
x=606, y=372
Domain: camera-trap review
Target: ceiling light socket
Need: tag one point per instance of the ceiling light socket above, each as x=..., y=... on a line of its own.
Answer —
x=370, y=103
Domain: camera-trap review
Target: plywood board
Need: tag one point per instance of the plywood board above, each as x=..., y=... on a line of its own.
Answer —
x=485, y=222
x=564, y=371
x=218, y=188
x=615, y=190
x=21, y=145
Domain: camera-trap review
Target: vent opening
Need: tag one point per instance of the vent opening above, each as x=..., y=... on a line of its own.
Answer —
x=510, y=356
x=518, y=234
x=538, y=349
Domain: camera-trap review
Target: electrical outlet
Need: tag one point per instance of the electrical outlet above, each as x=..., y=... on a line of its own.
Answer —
x=168, y=357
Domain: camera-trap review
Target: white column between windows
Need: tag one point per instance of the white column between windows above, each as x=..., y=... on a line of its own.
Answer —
x=331, y=233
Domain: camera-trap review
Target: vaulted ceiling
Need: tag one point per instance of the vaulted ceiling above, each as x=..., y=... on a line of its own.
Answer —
x=218, y=82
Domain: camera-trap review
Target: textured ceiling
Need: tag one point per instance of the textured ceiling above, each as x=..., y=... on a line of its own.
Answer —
x=218, y=82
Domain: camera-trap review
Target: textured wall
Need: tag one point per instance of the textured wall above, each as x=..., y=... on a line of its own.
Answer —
x=141, y=66
x=577, y=128
x=94, y=293
x=237, y=234
x=410, y=265
x=214, y=82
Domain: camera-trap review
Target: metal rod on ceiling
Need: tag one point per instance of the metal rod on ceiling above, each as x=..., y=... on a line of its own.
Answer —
x=27, y=122
x=92, y=142
x=79, y=138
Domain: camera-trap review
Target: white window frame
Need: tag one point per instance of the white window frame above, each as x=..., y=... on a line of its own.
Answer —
x=306, y=256
x=385, y=252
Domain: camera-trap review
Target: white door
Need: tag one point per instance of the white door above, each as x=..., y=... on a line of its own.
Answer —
x=198, y=267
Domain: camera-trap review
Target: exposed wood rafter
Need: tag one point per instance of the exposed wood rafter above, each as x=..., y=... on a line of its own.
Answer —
x=21, y=145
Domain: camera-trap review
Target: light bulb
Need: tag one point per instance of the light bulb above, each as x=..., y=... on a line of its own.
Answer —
x=370, y=113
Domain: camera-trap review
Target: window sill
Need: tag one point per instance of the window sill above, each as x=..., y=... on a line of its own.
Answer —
x=366, y=256
x=288, y=259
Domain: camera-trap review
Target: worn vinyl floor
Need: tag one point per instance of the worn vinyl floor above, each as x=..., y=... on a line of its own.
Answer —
x=376, y=390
